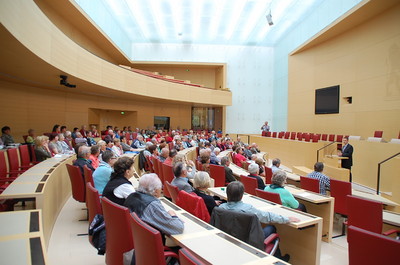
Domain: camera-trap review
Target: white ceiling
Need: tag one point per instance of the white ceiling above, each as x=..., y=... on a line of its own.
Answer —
x=224, y=22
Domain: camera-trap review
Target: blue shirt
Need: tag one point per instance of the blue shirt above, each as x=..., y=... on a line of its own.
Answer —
x=324, y=181
x=101, y=176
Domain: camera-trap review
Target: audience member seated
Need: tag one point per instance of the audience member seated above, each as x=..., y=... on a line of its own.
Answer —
x=260, y=162
x=56, y=129
x=239, y=157
x=138, y=143
x=94, y=131
x=65, y=149
x=221, y=144
x=6, y=136
x=185, y=142
x=164, y=154
x=193, y=141
x=275, y=165
x=119, y=187
x=235, y=191
x=254, y=148
x=125, y=146
x=170, y=158
x=42, y=151
x=178, y=145
x=80, y=139
x=94, y=156
x=180, y=178
x=103, y=147
x=246, y=151
x=68, y=139
x=190, y=166
x=30, y=139
x=214, y=159
x=63, y=129
x=83, y=131
x=109, y=144
x=101, y=176
x=239, y=142
x=83, y=158
x=117, y=148
x=201, y=183
x=228, y=172
x=53, y=146
x=205, y=161
x=253, y=170
x=278, y=182
x=145, y=203
x=74, y=131
x=324, y=181
x=90, y=139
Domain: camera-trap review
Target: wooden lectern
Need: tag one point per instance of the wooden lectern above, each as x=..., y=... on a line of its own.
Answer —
x=333, y=168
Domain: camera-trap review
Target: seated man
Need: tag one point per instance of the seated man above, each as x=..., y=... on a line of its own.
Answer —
x=253, y=170
x=324, y=181
x=214, y=159
x=164, y=154
x=6, y=136
x=80, y=139
x=275, y=165
x=228, y=172
x=83, y=158
x=101, y=176
x=181, y=180
x=138, y=143
x=235, y=191
x=145, y=203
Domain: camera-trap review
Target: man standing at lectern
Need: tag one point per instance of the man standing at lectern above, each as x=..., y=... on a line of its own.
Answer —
x=347, y=151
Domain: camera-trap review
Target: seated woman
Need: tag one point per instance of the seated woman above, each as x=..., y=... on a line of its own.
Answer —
x=277, y=186
x=260, y=162
x=201, y=183
x=119, y=187
x=63, y=145
x=53, y=146
x=42, y=151
x=30, y=139
x=117, y=148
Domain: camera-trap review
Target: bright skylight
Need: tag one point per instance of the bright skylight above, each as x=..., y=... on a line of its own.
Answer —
x=226, y=22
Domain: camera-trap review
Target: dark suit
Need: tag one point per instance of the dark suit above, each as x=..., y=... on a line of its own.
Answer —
x=347, y=152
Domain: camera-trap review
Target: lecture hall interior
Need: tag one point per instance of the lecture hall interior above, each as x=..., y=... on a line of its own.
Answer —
x=319, y=71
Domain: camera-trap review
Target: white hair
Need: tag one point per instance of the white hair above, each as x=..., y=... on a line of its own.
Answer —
x=253, y=168
x=149, y=183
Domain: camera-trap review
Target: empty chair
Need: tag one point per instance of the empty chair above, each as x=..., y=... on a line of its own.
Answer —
x=268, y=175
x=264, y=133
x=269, y=134
x=173, y=191
x=366, y=214
x=310, y=184
x=340, y=190
x=149, y=248
x=88, y=174
x=306, y=137
x=77, y=183
x=168, y=176
x=160, y=170
x=324, y=137
x=93, y=201
x=378, y=134
x=287, y=135
x=5, y=180
x=368, y=248
x=155, y=165
x=193, y=204
x=269, y=196
x=218, y=174
x=13, y=163
x=250, y=184
x=331, y=138
x=315, y=138
x=274, y=134
x=24, y=156
x=118, y=231
x=339, y=138
x=293, y=136
x=187, y=258
x=281, y=134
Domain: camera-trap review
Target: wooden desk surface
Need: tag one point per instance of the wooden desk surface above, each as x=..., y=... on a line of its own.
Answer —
x=374, y=197
x=212, y=245
x=391, y=218
x=308, y=195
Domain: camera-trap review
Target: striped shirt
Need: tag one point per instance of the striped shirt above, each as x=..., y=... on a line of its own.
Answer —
x=324, y=181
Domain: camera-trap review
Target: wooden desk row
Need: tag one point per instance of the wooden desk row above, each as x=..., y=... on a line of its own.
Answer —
x=211, y=245
x=21, y=238
x=48, y=184
x=301, y=240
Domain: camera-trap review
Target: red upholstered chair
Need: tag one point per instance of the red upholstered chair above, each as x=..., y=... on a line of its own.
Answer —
x=250, y=184
x=324, y=137
x=339, y=138
x=281, y=134
x=368, y=248
x=93, y=204
x=311, y=135
x=269, y=196
x=299, y=136
x=148, y=166
x=218, y=174
x=77, y=183
x=366, y=214
x=4, y=179
x=149, y=248
x=13, y=163
x=268, y=175
x=274, y=134
x=187, y=258
x=331, y=138
x=118, y=231
x=193, y=204
x=269, y=134
x=88, y=174
x=339, y=191
x=306, y=137
x=264, y=133
x=168, y=176
x=315, y=138
x=24, y=156
x=378, y=134
x=173, y=191
x=287, y=135
x=310, y=184
x=33, y=155
x=293, y=136
x=245, y=165
x=160, y=170
x=199, y=166
x=155, y=165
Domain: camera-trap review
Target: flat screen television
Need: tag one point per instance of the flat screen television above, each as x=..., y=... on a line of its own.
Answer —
x=327, y=100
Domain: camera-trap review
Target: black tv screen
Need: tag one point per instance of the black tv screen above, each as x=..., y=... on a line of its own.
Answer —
x=327, y=100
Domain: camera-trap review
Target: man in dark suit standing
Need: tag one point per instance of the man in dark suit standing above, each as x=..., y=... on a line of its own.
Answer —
x=347, y=151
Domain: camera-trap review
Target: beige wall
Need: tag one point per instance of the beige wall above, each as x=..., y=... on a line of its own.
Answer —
x=365, y=62
x=25, y=107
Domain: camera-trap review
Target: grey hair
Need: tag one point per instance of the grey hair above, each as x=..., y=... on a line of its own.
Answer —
x=279, y=177
x=201, y=180
x=253, y=168
x=217, y=150
x=101, y=142
x=149, y=183
x=83, y=151
x=224, y=160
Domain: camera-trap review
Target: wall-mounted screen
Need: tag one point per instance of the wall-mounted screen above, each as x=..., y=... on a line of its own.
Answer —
x=327, y=100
